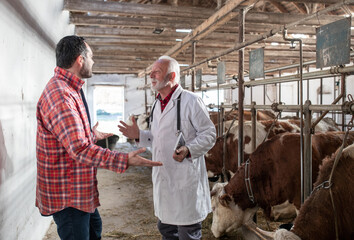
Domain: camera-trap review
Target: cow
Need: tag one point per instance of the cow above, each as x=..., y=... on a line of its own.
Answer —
x=109, y=142
x=214, y=157
x=230, y=115
x=274, y=173
x=142, y=120
x=316, y=218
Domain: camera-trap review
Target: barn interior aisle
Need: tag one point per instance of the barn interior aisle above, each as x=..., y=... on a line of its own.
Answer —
x=127, y=208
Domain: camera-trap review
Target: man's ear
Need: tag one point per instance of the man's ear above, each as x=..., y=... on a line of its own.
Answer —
x=79, y=60
x=173, y=75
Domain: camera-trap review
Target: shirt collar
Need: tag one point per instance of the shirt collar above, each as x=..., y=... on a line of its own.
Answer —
x=73, y=80
x=169, y=95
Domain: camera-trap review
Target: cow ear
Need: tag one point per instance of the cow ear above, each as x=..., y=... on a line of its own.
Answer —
x=213, y=193
x=225, y=199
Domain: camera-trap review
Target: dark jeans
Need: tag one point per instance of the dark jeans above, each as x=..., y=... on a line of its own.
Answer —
x=73, y=224
x=180, y=232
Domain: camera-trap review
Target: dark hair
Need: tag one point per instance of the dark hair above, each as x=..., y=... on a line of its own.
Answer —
x=68, y=49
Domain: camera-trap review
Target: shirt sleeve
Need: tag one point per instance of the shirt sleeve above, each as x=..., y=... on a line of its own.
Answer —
x=65, y=122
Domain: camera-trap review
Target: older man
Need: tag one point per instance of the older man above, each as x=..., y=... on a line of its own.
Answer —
x=180, y=186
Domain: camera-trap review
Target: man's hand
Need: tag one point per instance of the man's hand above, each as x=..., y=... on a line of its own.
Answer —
x=136, y=160
x=131, y=132
x=100, y=135
x=180, y=154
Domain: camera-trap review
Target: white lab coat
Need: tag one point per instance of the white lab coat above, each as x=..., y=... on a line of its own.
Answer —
x=180, y=189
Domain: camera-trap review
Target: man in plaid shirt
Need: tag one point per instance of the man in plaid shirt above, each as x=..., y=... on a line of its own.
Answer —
x=67, y=158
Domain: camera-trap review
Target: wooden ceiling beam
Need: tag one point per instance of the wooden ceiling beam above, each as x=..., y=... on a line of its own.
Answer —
x=300, y=8
x=310, y=1
x=191, y=23
x=134, y=9
x=279, y=6
x=222, y=16
x=84, y=20
x=141, y=35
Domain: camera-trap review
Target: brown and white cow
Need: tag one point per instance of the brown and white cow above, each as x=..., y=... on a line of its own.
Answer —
x=230, y=115
x=316, y=217
x=214, y=157
x=274, y=171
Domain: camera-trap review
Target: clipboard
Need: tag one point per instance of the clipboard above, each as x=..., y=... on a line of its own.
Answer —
x=180, y=141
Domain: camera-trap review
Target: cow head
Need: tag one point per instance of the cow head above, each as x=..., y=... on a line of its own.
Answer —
x=227, y=216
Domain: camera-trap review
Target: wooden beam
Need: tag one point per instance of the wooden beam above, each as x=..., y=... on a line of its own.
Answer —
x=191, y=23
x=281, y=18
x=310, y=1
x=279, y=6
x=300, y=8
x=134, y=9
x=219, y=18
x=84, y=20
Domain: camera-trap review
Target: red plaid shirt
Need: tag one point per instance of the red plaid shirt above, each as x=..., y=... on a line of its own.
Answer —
x=167, y=98
x=67, y=159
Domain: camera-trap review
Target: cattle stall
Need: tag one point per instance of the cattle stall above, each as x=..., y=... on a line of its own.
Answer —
x=306, y=108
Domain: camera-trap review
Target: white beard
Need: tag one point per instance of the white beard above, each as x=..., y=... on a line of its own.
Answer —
x=159, y=85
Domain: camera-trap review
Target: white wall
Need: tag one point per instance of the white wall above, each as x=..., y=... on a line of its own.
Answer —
x=29, y=31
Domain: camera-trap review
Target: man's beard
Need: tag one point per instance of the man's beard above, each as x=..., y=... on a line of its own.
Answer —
x=159, y=85
x=86, y=71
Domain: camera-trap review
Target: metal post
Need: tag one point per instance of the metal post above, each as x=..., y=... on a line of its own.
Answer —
x=334, y=96
x=321, y=92
x=279, y=92
x=241, y=93
x=221, y=123
x=253, y=120
x=307, y=151
x=193, y=61
x=298, y=93
x=264, y=94
x=343, y=92
x=146, y=107
x=301, y=109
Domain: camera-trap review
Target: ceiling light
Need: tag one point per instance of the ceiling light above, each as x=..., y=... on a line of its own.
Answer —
x=184, y=65
x=184, y=30
x=158, y=30
x=299, y=35
x=178, y=40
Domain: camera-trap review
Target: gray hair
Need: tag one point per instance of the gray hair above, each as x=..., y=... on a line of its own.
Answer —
x=173, y=66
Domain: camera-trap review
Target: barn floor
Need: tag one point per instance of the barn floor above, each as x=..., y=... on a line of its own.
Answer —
x=127, y=208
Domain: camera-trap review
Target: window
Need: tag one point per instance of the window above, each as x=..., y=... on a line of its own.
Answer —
x=108, y=108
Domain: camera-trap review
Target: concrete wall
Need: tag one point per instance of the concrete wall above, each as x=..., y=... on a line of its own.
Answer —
x=29, y=31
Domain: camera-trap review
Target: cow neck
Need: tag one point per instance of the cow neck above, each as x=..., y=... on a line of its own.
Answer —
x=237, y=189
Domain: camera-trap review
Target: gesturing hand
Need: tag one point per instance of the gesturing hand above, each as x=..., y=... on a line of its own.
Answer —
x=131, y=132
x=100, y=135
x=136, y=160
